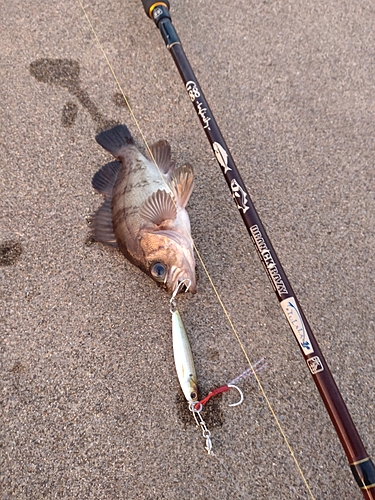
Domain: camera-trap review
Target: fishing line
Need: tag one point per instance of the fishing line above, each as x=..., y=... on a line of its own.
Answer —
x=272, y=411
x=125, y=98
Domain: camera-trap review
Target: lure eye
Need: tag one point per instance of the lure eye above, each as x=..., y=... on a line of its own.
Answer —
x=193, y=395
x=159, y=271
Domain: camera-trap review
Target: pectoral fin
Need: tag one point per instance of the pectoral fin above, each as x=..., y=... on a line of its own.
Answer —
x=182, y=183
x=158, y=208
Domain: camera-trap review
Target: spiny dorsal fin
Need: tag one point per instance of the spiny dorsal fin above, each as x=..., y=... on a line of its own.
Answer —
x=182, y=183
x=161, y=151
x=105, y=178
x=102, y=228
x=158, y=207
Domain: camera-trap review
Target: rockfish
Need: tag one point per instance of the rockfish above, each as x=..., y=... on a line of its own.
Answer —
x=144, y=214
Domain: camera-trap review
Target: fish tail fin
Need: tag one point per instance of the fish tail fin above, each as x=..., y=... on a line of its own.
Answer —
x=115, y=139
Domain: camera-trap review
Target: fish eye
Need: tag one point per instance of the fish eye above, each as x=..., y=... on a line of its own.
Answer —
x=159, y=271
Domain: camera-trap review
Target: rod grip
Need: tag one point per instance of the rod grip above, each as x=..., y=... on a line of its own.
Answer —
x=149, y=5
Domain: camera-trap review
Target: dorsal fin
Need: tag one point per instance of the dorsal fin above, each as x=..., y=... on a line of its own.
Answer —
x=161, y=152
x=158, y=207
x=182, y=183
x=105, y=178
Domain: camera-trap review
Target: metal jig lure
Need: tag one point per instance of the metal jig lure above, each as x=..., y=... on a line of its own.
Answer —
x=183, y=358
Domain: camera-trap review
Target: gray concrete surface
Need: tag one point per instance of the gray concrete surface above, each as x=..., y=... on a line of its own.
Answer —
x=91, y=407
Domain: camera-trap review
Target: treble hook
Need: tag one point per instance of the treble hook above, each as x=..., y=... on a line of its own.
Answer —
x=241, y=394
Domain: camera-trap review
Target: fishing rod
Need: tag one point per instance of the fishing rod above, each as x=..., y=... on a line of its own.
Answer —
x=360, y=463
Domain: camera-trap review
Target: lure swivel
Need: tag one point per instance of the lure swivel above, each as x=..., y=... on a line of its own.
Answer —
x=196, y=409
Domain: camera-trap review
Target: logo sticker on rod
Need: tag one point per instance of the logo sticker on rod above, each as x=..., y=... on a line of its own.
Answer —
x=270, y=264
x=296, y=322
x=221, y=156
x=315, y=365
x=238, y=192
x=194, y=95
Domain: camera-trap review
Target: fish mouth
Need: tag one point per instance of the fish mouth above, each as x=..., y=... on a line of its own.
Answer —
x=175, y=250
x=182, y=286
x=182, y=282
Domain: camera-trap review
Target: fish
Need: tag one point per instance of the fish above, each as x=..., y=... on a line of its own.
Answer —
x=183, y=359
x=143, y=213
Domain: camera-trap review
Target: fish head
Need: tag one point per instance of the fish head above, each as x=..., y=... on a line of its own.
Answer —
x=169, y=258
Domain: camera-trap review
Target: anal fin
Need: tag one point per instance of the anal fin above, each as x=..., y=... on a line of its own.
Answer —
x=105, y=178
